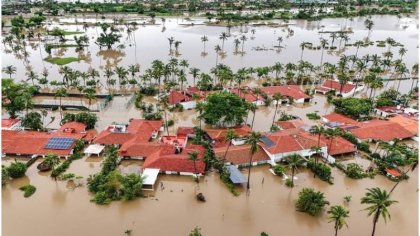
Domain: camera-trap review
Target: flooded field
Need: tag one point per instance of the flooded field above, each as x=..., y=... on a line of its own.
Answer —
x=150, y=42
x=56, y=209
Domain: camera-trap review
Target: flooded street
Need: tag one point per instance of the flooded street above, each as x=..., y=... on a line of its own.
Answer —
x=57, y=208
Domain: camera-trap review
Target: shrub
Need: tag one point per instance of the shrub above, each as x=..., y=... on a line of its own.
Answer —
x=289, y=183
x=354, y=171
x=28, y=190
x=347, y=198
x=310, y=201
x=321, y=170
x=16, y=169
x=363, y=146
x=313, y=116
x=279, y=169
x=170, y=123
x=4, y=175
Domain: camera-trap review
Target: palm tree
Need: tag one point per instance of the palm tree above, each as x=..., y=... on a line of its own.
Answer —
x=333, y=36
x=217, y=49
x=402, y=52
x=61, y=92
x=378, y=200
x=230, y=136
x=193, y=156
x=302, y=47
x=90, y=96
x=369, y=25
x=164, y=103
x=236, y=42
x=200, y=108
x=176, y=44
x=223, y=36
x=253, y=139
x=330, y=134
x=204, y=39
x=276, y=97
x=338, y=215
x=171, y=41
x=10, y=70
x=294, y=161
x=319, y=130
x=243, y=38
x=324, y=43
x=32, y=76
x=280, y=40
x=194, y=72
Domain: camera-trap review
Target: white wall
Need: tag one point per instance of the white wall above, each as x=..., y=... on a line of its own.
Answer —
x=305, y=153
x=189, y=105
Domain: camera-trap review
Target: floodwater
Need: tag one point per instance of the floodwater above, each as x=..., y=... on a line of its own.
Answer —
x=150, y=42
x=59, y=209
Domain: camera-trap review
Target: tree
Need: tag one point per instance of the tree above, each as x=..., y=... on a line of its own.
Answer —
x=224, y=109
x=10, y=70
x=356, y=108
x=318, y=130
x=195, y=232
x=61, y=92
x=338, y=215
x=294, y=161
x=4, y=175
x=310, y=201
x=18, y=96
x=16, y=169
x=253, y=139
x=171, y=41
x=131, y=186
x=324, y=44
x=378, y=200
x=32, y=120
x=330, y=134
x=193, y=156
x=276, y=97
x=243, y=38
x=223, y=36
x=107, y=39
x=204, y=39
x=230, y=136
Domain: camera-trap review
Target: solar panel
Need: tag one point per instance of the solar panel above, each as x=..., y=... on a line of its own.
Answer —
x=236, y=176
x=267, y=141
x=59, y=143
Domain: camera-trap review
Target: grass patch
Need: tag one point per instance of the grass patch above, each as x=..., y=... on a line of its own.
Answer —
x=62, y=60
x=28, y=190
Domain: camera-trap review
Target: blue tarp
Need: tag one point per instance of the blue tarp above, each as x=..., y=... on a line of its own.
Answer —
x=235, y=175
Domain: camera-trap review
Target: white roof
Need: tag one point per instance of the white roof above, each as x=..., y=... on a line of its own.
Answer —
x=150, y=176
x=94, y=149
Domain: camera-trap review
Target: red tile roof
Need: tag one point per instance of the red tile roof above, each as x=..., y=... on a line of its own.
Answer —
x=33, y=142
x=176, y=97
x=393, y=172
x=292, y=91
x=197, y=91
x=8, y=123
x=380, y=130
x=246, y=93
x=291, y=140
x=138, y=129
x=220, y=133
x=338, y=145
x=335, y=117
x=238, y=155
x=166, y=161
x=144, y=149
x=335, y=85
x=184, y=130
x=290, y=124
x=408, y=123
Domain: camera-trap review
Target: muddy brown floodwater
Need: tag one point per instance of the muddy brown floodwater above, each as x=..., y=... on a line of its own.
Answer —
x=56, y=209
x=59, y=209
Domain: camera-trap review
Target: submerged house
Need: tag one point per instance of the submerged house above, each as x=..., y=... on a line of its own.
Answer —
x=218, y=135
x=133, y=139
x=345, y=90
x=35, y=143
x=169, y=160
x=248, y=95
x=289, y=92
x=240, y=155
x=281, y=144
x=371, y=130
x=11, y=124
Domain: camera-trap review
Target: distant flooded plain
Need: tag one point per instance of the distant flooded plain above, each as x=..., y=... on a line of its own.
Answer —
x=57, y=208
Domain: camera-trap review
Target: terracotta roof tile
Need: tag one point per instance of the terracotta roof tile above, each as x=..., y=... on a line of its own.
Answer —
x=292, y=91
x=335, y=85
x=220, y=133
x=7, y=123
x=408, y=123
x=380, y=130
x=238, y=155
